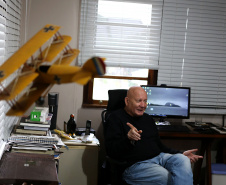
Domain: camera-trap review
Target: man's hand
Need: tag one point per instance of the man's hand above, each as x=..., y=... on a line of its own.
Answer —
x=193, y=158
x=134, y=134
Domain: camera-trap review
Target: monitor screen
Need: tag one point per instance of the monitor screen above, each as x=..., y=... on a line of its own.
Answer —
x=168, y=101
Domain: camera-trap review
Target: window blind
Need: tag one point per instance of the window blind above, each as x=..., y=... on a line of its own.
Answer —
x=10, y=15
x=192, y=52
x=128, y=35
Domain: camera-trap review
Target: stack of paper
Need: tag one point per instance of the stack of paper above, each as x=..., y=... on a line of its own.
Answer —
x=34, y=144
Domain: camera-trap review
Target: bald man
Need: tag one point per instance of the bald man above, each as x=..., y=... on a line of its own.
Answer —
x=133, y=136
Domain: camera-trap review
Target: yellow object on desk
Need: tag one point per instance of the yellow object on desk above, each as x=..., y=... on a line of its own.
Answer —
x=62, y=134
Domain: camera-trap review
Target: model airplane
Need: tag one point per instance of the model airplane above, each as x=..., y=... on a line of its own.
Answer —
x=40, y=63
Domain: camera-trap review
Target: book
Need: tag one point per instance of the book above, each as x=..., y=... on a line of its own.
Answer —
x=33, y=132
x=35, y=128
x=34, y=124
x=31, y=148
x=49, y=152
x=30, y=144
x=16, y=168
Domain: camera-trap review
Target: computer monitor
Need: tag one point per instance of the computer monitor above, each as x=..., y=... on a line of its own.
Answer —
x=168, y=101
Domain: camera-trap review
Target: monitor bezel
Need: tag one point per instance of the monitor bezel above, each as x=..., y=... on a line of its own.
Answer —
x=173, y=116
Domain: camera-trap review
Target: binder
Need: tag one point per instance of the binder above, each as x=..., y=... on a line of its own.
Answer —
x=38, y=169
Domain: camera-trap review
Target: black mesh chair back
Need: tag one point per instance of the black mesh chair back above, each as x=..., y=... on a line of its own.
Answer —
x=116, y=100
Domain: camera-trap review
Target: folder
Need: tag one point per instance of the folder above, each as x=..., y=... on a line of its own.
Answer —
x=36, y=169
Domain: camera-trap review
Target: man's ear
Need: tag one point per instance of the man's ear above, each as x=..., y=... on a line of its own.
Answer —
x=126, y=100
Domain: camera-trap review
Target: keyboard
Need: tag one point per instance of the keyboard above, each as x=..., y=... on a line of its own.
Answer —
x=172, y=128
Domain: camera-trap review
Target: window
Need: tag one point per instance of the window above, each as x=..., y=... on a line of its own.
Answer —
x=192, y=53
x=95, y=93
x=187, y=45
x=129, y=41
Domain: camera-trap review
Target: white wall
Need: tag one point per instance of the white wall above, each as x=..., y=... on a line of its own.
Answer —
x=65, y=14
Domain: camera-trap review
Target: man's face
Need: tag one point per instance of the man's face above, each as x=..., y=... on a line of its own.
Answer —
x=136, y=102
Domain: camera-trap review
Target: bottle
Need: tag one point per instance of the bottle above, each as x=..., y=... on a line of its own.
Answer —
x=71, y=126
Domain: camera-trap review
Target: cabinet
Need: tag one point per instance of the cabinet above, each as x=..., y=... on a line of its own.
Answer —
x=79, y=165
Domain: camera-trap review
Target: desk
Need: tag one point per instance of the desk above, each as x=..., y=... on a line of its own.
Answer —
x=79, y=165
x=206, y=141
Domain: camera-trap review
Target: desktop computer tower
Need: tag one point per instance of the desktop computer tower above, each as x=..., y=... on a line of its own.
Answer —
x=53, y=107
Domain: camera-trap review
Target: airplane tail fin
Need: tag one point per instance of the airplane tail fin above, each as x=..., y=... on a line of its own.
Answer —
x=92, y=67
x=95, y=65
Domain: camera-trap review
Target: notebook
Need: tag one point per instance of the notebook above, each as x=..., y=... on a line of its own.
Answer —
x=38, y=169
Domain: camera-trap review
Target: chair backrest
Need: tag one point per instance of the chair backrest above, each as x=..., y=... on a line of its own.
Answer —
x=116, y=100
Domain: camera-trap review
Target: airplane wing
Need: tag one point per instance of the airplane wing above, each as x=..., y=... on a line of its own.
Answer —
x=27, y=100
x=67, y=57
x=17, y=85
x=26, y=51
x=55, y=48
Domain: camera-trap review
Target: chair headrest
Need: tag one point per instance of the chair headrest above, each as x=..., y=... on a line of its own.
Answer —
x=116, y=99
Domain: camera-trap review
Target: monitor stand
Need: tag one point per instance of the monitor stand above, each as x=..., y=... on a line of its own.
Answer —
x=162, y=122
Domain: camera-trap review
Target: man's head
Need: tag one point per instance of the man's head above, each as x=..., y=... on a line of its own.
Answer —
x=136, y=101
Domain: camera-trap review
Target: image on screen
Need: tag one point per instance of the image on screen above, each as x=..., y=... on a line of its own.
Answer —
x=168, y=102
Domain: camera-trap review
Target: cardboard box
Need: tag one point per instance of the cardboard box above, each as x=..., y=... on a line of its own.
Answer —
x=39, y=114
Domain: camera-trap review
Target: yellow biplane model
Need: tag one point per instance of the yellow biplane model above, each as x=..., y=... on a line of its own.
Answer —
x=40, y=63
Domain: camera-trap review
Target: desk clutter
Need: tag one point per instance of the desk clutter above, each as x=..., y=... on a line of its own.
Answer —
x=207, y=128
x=31, y=152
x=38, y=123
x=82, y=139
x=35, y=150
x=33, y=135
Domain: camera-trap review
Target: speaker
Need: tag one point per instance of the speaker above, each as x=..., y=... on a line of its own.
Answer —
x=53, y=107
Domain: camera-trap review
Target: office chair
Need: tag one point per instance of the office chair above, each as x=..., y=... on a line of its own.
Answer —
x=115, y=101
